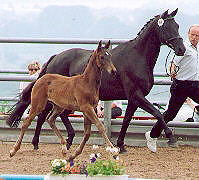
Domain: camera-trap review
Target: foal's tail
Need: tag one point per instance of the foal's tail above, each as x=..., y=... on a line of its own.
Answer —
x=18, y=109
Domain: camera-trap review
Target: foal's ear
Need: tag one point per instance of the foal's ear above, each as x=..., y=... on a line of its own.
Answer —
x=99, y=45
x=165, y=14
x=108, y=44
x=174, y=13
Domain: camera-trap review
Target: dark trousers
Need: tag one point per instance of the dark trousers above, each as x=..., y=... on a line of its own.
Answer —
x=180, y=90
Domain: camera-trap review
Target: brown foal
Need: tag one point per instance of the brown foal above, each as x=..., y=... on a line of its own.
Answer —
x=77, y=93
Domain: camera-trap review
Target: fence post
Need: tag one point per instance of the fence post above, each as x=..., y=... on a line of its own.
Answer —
x=107, y=117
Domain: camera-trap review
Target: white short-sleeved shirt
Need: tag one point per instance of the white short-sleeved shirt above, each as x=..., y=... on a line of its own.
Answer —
x=188, y=64
x=23, y=85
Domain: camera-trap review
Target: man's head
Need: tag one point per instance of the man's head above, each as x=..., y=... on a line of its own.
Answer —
x=193, y=34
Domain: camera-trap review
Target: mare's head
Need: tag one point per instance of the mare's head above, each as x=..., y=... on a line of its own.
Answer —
x=103, y=58
x=167, y=30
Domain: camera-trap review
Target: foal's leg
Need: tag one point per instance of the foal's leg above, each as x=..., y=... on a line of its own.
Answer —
x=87, y=132
x=90, y=113
x=38, y=104
x=24, y=127
x=51, y=120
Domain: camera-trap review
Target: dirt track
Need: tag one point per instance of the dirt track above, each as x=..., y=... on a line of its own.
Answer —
x=167, y=163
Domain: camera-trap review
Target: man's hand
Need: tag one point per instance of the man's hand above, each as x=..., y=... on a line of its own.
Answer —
x=173, y=72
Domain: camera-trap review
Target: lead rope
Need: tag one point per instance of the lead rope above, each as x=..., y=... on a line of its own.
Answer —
x=176, y=69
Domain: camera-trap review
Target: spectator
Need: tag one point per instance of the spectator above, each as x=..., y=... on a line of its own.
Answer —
x=33, y=69
x=116, y=109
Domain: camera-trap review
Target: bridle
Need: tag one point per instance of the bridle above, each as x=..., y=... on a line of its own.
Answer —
x=169, y=44
x=162, y=39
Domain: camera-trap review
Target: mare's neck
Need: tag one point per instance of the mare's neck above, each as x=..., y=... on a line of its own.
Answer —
x=149, y=45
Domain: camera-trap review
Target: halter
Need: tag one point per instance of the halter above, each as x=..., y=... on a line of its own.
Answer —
x=167, y=42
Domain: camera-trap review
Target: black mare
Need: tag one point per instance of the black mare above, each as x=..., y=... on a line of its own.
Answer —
x=134, y=61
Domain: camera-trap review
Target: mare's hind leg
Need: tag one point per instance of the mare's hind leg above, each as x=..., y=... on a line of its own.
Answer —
x=71, y=133
x=40, y=121
x=51, y=120
x=87, y=132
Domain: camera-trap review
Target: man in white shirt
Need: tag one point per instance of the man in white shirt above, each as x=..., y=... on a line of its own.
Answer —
x=185, y=84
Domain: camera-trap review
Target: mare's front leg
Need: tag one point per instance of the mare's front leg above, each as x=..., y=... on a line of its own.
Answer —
x=87, y=132
x=147, y=106
x=131, y=108
x=25, y=125
x=51, y=121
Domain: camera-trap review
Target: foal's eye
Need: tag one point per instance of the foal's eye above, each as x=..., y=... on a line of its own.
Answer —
x=102, y=57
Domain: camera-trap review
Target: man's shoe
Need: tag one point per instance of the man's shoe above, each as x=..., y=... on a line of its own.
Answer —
x=151, y=142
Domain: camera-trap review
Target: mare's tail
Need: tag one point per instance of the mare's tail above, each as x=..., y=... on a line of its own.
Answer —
x=18, y=109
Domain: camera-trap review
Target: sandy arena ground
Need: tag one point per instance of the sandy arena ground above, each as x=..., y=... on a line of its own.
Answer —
x=167, y=163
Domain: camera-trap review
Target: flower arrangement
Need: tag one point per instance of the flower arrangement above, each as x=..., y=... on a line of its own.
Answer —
x=96, y=166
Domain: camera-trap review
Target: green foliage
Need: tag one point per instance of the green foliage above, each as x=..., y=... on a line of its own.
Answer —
x=105, y=167
x=3, y=109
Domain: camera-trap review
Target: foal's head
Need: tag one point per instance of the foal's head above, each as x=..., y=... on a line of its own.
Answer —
x=103, y=59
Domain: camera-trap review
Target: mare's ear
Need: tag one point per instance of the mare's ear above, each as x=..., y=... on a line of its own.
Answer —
x=165, y=14
x=108, y=44
x=174, y=13
x=99, y=46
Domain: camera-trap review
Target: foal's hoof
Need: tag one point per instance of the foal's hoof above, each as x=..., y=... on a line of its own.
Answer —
x=70, y=159
x=12, y=153
x=172, y=142
x=122, y=150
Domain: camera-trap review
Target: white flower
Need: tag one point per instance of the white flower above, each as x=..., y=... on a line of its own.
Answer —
x=64, y=161
x=115, y=150
x=95, y=146
x=117, y=158
x=160, y=22
x=98, y=154
x=57, y=164
x=108, y=148
x=92, y=156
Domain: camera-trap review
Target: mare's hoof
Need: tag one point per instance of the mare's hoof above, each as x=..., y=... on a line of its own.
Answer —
x=172, y=142
x=69, y=141
x=35, y=144
x=68, y=145
x=122, y=150
x=36, y=147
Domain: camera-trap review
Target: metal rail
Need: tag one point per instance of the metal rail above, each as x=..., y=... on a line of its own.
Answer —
x=60, y=41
